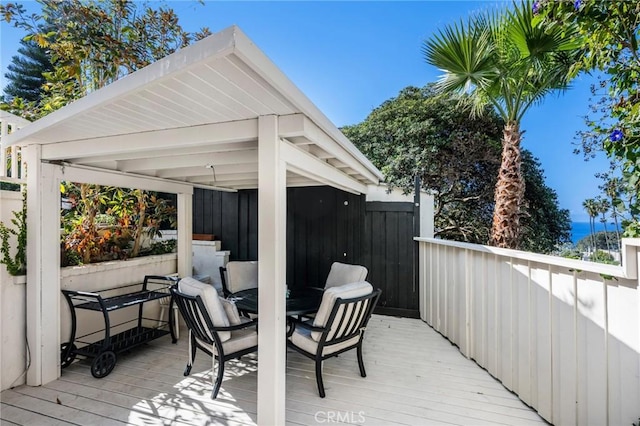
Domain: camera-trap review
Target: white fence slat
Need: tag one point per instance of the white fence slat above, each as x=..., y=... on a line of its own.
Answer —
x=493, y=291
x=624, y=353
x=591, y=351
x=505, y=322
x=442, y=290
x=478, y=308
x=449, y=291
x=430, y=291
x=541, y=377
x=476, y=341
x=457, y=299
x=522, y=349
x=564, y=351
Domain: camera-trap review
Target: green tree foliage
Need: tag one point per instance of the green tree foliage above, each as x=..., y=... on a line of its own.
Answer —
x=596, y=241
x=26, y=71
x=421, y=132
x=16, y=263
x=93, y=43
x=510, y=61
x=611, y=33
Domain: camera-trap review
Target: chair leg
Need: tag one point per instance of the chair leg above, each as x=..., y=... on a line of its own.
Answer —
x=361, y=361
x=192, y=354
x=220, y=375
x=319, y=377
x=176, y=324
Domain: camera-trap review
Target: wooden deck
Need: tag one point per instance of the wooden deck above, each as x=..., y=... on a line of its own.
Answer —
x=415, y=377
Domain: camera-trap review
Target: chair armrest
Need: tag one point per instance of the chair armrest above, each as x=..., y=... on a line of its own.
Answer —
x=293, y=322
x=237, y=326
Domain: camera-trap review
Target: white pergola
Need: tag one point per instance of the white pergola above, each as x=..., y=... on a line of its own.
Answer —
x=217, y=114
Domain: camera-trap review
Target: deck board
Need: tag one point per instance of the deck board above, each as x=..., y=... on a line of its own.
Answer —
x=414, y=376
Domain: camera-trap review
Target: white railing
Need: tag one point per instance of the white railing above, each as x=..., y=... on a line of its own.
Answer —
x=12, y=168
x=562, y=334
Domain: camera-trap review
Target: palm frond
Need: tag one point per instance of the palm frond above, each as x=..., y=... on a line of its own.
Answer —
x=464, y=52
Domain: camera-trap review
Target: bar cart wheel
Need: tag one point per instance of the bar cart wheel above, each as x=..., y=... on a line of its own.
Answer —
x=68, y=354
x=103, y=364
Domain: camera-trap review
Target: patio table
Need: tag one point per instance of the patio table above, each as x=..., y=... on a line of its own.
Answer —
x=301, y=301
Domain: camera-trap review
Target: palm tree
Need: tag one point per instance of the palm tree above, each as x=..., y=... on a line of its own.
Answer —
x=603, y=206
x=509, y=61
x=612, y=189
x=591, y=206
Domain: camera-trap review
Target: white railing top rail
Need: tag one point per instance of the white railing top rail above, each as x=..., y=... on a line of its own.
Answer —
x=628, y=269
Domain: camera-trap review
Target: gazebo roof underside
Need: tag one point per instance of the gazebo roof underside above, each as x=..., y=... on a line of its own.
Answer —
x=193, y=117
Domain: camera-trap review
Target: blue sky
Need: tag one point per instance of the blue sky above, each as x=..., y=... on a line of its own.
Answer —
x=349, y=57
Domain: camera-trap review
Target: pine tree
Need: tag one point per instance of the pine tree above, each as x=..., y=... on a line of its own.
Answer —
x=24, y=74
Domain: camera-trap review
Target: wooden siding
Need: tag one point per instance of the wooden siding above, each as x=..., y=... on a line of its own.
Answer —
x=388, y=253
x=324, y=225
x=565, y=338
x=232, y=217
x=414, y=376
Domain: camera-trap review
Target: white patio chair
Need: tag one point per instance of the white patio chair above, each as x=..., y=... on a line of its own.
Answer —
x=239, y=275
x=214, y=326
x=344, y=273
x=339, y=326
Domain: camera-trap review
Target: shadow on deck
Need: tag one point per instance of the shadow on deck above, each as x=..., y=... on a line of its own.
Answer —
x=415, y=376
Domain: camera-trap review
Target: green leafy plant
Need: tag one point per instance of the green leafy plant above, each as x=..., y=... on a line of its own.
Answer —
x=16, y=264
x=601, y=256
x=160, y=247
x=109, y=223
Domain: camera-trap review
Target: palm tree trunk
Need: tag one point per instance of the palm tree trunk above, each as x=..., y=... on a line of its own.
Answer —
x=615, y=220
x=505, y=231
x=592, y=232
x=606, y=232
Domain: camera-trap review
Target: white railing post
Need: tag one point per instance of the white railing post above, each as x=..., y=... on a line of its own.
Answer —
x=15, y=162
x=4, y=130
x=9, y=123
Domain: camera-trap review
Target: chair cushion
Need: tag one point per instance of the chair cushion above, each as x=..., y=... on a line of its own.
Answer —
x=240, y=340
x=347, y=291
x=301, y=337
x=242, y=275
x=211, y=300
x=342, y=273
x=231, y=310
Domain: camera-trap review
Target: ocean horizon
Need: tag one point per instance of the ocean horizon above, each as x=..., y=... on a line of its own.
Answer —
x=579, y=230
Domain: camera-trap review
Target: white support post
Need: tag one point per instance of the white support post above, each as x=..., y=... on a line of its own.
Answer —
x=426, y=215
x=185, y=234
x=272, y=206
x=43, y=268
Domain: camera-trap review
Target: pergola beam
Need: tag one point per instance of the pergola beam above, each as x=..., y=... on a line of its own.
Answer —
x=297, y=125
x=171, y=152
x=305, y=164
x=201, y=172
x=206, y=134
x=177, y=161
